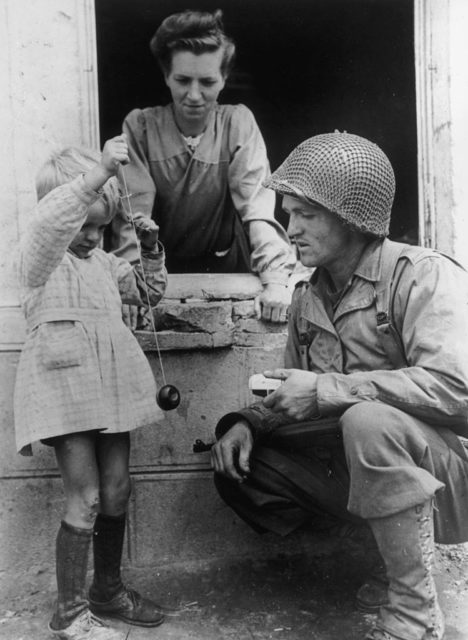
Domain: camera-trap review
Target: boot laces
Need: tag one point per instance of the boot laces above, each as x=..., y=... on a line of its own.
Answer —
x=89, y=621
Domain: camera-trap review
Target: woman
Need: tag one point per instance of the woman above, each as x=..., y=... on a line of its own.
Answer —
x=197, y=168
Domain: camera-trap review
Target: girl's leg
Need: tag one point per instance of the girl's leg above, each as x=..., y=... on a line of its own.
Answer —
x=77, y=463
x=76, y=459
x=108, y=595
x=113, y=453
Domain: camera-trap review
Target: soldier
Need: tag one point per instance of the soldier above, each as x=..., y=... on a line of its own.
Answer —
x=376, y=364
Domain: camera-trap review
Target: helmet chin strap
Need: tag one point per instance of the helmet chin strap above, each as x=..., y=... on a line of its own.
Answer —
x=168, y=396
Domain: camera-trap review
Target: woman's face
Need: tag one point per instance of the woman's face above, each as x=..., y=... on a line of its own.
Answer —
x=195, y=82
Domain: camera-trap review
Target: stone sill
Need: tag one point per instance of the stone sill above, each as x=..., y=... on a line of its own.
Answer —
x=209, y=311
x=198, y=311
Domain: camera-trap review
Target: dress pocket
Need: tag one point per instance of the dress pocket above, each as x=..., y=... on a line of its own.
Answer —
x=61, y=344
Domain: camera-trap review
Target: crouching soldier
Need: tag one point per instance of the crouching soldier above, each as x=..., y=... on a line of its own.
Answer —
x=376, y=372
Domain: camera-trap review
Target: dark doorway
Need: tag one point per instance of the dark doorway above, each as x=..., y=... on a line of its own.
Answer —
x=303, y=67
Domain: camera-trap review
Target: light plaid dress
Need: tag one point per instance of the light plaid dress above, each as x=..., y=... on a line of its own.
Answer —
x=81, y=368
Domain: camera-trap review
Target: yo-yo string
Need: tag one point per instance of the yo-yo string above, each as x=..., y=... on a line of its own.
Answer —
x=127, y=197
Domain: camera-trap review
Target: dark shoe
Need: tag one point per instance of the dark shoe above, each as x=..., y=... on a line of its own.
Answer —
x=128, y=605
x=373, y=594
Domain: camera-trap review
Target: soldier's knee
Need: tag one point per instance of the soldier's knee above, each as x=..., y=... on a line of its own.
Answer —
x=358, y=420
x=370, y=426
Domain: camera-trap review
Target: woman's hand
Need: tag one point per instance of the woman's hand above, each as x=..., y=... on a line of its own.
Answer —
x=147, y=231
x=273, y=303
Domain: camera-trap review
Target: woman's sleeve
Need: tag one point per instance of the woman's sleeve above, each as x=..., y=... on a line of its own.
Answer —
x=131, y=280
x=134, y=178
x=54, y=223
x=272, y=256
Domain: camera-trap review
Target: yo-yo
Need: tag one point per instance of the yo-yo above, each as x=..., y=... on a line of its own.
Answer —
x=168, y=397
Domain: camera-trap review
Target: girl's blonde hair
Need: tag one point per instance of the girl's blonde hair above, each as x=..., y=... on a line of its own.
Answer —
x=67, y=164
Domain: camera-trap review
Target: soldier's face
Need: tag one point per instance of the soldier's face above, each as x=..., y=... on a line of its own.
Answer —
x=320, y=236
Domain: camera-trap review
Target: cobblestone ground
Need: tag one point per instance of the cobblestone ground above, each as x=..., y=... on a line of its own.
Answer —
x=284, y=598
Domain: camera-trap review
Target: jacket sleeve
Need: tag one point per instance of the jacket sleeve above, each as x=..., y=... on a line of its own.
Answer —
x=135, y=178
x=55, y=222
x=272, y=256
x=261, y=421
x=431, y=312
x=131, y=280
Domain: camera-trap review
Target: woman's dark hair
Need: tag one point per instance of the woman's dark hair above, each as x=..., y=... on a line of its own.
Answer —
x=195, y=31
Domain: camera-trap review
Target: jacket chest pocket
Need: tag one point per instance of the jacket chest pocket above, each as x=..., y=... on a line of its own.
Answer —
x=60, y=345
x=320, y=350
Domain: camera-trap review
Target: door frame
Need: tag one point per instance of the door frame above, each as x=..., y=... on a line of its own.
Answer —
x=431, y=55
x=435, y=181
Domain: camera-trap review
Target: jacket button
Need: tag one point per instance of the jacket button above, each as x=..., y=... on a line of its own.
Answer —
x=354, y=391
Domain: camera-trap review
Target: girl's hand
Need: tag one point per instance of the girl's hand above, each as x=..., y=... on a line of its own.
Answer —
x=147, y=231
x=130, y=316
x=115, y=153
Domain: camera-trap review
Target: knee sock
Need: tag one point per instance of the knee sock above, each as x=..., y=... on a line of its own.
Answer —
x=108, y=538
x=72, y=551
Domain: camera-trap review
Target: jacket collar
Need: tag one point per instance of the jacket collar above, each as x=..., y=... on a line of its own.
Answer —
x=368, y=268
x=370, y=265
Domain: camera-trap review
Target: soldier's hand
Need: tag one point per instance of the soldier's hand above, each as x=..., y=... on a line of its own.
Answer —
x=230, y=455
x=296, y=398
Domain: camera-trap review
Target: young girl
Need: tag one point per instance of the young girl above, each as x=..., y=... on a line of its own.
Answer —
x=83, y=382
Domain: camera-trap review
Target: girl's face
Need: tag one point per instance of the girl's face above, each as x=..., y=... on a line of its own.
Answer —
x=90, y=234
x=195, y=82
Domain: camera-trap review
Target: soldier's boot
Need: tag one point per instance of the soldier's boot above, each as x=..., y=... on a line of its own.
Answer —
x=406, y=543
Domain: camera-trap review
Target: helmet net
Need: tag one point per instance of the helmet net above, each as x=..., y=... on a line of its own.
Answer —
x=344, y=173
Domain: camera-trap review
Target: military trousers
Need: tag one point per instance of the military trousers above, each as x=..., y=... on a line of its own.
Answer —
x=371, y=462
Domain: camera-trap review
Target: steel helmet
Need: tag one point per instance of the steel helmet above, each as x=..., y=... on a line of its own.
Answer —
x=346, y=174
